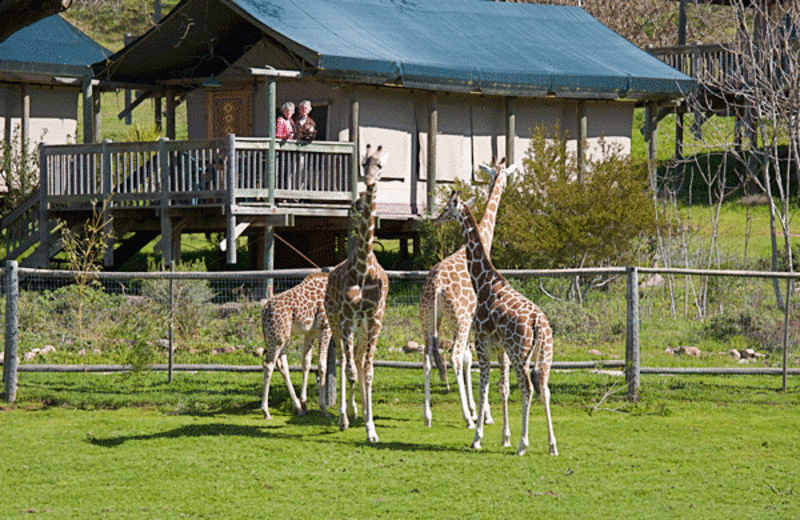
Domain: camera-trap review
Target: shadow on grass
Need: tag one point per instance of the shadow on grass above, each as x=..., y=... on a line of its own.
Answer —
x=270, y=431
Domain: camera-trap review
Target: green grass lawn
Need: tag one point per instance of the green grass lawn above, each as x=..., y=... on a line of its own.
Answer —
x=694, y=447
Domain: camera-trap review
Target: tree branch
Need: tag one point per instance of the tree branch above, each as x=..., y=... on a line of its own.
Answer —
x=18, y=14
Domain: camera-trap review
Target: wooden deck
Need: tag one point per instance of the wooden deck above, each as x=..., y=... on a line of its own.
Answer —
x=172, y=187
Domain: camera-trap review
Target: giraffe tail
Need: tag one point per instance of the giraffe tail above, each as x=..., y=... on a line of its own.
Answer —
x=436, y=343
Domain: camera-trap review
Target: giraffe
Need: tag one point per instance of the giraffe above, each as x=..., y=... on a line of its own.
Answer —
x=447, y=295
x=300, y=309
x=508, y=323
x=356, y=298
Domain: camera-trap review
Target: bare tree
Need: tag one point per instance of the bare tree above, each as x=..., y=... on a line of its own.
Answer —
x=755, y=93
x=17, y=14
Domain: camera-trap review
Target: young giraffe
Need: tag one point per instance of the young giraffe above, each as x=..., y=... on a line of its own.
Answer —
x=299, y=309
x=356, y=298
x=505, y=317
x=447, y=295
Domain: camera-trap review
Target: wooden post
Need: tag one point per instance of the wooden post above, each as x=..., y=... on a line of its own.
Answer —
x=789, y=284
x=88, y=107
x=157, y=112
x=632, y=367
x=433, y=131
x=108, y=225
x=44, y=231
x=171, y=113
x=271, y=110
x=651, y=115
x=25, y=118
x=582, y=139
x=166, y=220
x=12, y=329
x=95, y=113
x=230, y=232
x=511, y=131
x=269, y=256
x=354, y=138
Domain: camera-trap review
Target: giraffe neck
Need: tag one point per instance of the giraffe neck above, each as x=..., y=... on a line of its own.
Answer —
x=481, y=270
x=486, y=226
x=366, y=231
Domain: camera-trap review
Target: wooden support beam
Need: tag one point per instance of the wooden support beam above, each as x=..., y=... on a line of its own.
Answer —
x=433, y=131
x=511, y=131
x=170, y=95
x=25, y=118
x=582, y=139
x=87, y=93
x=354, y=138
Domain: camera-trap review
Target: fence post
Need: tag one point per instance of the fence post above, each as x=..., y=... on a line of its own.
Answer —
x=632, y=335
x=171, y=343
x=12, y=328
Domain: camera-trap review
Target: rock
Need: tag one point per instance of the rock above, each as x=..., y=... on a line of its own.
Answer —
x=670, y=350
x=228, y=309
x=47, y=350
x=735, y=354
x=596, y=353
x=164, y=343
x=29, y=356
x=259, y=352
x=228, y=350
x=412, y=347
x=689, y=351
x=652, y=282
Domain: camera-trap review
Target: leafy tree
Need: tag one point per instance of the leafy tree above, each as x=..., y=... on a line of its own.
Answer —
x=550, y=219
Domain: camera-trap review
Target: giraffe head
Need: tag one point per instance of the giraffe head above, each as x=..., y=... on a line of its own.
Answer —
x=373, y=163
x=454, y=208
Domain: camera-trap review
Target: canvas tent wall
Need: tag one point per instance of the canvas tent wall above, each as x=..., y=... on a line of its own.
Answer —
x=44, y=68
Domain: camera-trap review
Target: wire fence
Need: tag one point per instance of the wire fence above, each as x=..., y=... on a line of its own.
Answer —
x=84, y=313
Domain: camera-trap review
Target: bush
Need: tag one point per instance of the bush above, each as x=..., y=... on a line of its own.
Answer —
x=192, y=299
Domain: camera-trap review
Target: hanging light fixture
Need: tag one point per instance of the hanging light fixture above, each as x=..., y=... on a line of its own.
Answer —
x=211, y=82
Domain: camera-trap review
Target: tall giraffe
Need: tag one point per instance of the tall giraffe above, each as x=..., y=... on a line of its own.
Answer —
x=356, y=298
x=511, y=325
x=447, y=296
x=299, y=309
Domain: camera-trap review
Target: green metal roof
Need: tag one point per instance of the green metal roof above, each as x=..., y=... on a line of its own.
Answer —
x=50, y=46
x=453, y=45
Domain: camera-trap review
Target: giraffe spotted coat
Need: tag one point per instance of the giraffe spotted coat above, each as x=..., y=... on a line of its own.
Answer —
x=356, y=301
x=509, y=324
x=300, y=310
x=447, y=297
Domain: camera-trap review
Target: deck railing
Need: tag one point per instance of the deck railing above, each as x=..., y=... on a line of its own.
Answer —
x=712, y=64
x=197, y=172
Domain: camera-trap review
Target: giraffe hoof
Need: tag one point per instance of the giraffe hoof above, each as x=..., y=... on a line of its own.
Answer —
x=476, y=445
x=521, y=452
x=267, y=416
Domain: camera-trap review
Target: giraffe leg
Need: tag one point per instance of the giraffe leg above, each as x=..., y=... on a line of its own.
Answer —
x=426, y=365
x=308, y=343
x=367, y=374
x=283, y=366
x=460, y=365
x=458, y=368
x=545, y=394
x=269, y=367
x=322, y=370
x=504, y=391
x=467, y=370
x=526, y=390
x=346, y=378
x=483, y=393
